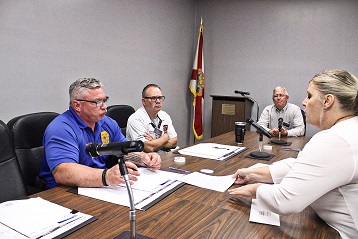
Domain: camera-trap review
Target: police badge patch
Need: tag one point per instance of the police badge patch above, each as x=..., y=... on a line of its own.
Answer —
x=105, y=137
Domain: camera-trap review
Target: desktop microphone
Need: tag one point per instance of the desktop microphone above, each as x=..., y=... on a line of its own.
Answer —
x=119, y=149
x=243, y=93
x=116, y=148
x=132, y=212
x=259, y=128
x=279, y=141
x=280, y=122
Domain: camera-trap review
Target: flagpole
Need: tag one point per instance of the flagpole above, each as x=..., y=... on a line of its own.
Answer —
x=196, y=86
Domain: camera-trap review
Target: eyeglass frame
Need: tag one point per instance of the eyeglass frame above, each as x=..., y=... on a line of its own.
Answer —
x=155, y=98
x=279, y=95
x=98, y=103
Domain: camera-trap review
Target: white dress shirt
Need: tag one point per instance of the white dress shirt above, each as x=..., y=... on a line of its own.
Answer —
x=324, y=176
x=290, y=114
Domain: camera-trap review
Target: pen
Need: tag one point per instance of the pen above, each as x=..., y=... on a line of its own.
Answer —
x=180, y=170
x=68, y=218
x=60, y=224
x=164, y=182
x=228, y=154
x=215, y=147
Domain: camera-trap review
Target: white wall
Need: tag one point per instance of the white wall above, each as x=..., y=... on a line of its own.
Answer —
x=257, y=45
x=248, y=45
x=46, y=45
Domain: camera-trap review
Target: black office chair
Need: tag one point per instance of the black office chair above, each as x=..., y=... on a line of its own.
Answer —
x=120, y=113
x=304, y=119
x=12, y=185
x=27, y=132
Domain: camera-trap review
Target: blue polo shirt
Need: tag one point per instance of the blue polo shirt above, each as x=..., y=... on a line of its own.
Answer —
x=65, y=141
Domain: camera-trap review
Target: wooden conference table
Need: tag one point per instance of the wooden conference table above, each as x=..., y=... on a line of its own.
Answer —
x=193, y=212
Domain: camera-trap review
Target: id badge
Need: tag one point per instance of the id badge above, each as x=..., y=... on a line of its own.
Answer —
x=157, y=133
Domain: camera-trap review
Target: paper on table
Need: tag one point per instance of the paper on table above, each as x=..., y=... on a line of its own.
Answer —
x=41, y=216
x=68, y=225
x=216, y=183
x=260, y=215
x=36, y=217
x=115, y=194
x=8, y=233
x=151, y=180
x=150, y=186
x=212, y=151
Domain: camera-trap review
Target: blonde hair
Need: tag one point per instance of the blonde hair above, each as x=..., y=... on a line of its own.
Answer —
x=340, y=83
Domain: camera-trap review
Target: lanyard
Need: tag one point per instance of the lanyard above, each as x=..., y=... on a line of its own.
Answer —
x=160, y=123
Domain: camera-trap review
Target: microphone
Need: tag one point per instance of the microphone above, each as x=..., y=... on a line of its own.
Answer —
x=116, y=148
x=243, y=93
x=279, y=141
x=280, y=122
x=119, y=149
x=259, y=128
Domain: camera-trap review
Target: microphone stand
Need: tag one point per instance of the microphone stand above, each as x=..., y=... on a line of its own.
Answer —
x=279, y=141
x=258, y=110
x=244, y=94
x=132, y=213
x=260, y=154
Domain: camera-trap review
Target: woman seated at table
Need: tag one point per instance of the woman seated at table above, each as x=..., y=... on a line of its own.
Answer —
x=325, y=173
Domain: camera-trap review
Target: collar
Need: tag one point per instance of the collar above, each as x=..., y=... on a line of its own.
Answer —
x=283, y=109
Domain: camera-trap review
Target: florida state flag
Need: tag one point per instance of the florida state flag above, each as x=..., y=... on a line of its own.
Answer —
x=196, y=86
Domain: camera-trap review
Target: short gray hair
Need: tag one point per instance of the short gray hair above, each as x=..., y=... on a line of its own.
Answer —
x=79, y=86
x=342, y=85
x=280, y=87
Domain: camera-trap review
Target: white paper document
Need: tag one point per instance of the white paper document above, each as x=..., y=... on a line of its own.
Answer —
x=216, y=183
x=212, y=151
x=36, y=217
x=150, y=186
x=151, y=180
x=260, y=215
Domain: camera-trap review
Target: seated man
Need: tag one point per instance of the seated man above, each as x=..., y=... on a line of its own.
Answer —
x=150, y=124
x=290, y=113
x=65, y=161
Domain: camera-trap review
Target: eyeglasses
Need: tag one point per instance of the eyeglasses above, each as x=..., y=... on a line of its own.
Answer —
x=279, y=95
x=98, y=103
x=155, y=98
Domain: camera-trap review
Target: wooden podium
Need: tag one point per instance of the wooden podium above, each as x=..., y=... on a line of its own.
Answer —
x=226, y=110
